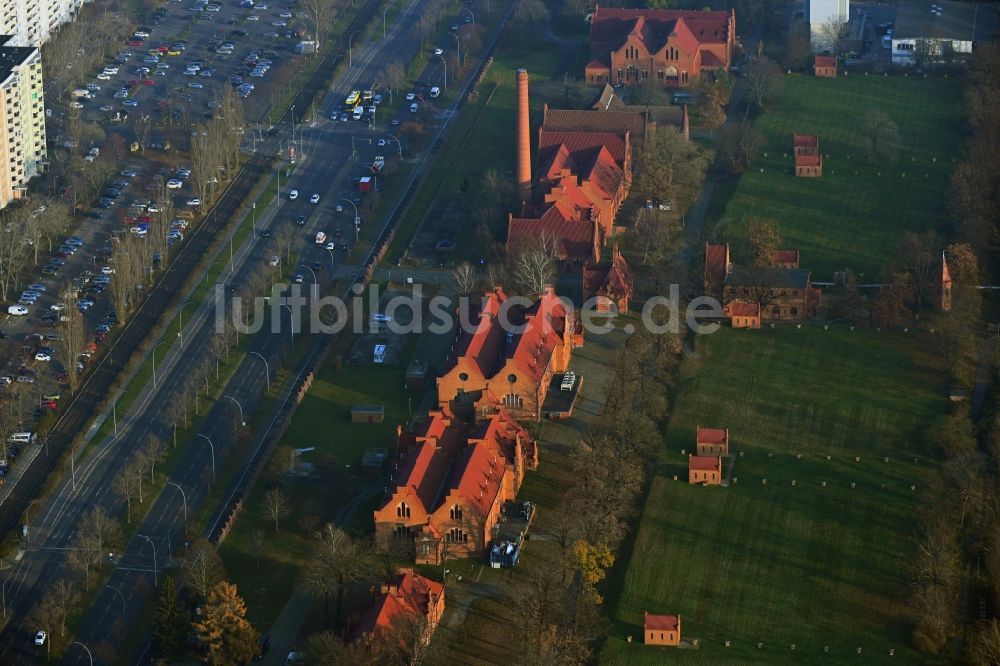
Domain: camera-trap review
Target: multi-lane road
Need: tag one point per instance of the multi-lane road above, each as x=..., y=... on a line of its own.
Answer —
x=324, y=169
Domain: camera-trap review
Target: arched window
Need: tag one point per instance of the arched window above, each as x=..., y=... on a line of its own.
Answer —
x=456, y=512
x=456, y=535
x=402, y=532
x=512, y=400
x=402, y=510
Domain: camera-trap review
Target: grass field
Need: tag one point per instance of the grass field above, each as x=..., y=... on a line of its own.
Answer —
x=775, y=563
x=322, y=420
x=857, y=212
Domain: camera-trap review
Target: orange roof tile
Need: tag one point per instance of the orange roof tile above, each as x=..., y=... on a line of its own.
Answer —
x=715, y=262
x=609, y=25
x=575, y=236
x=808, y=160
x=661, y=622
x=577, y=120
x=743, y=309
x=407, y=597
x=805, y=140
x=580, y=145
x=785, y=257
x=825, y=61
x=711, y=435
x=704, y=463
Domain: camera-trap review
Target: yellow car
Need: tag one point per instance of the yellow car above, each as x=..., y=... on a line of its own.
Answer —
x=173, y=52
x=186, y=215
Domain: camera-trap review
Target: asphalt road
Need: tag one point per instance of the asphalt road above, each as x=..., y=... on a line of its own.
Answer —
x=52, y=525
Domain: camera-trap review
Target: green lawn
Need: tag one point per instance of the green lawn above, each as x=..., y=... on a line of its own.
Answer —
x=856, y=213
x=807, y=565
x=322, y=420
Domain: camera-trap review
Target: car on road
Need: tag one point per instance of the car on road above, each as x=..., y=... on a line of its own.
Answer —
x=382, y=143
x=107, y=108
x=331, y=246
x=314, y=199
x=298, y=278
x=40, y=637
x=264, y=233
x=411, y=96
x=129, y=102
x=439, y=51
x=17, y=310
x=293, y=195
x=75, y=105
x=381, y=318
x=395, y=122
x=195, y=84
x=334, y=115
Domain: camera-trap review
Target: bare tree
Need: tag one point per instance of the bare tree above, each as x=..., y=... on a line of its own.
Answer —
x=533, y=265
x=202, y=568
x=764, y=82
x=13, y=255
x=739, y=144
x=395, y=74
x=337, y=560
x=73, y=335
x=466, y=280
x=832, y=32
x=276, y=505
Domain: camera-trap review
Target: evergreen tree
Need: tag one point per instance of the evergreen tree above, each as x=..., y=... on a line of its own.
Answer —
x=170, y=622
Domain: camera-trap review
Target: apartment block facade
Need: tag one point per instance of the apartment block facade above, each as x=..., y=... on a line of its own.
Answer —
x=22, y=118
x=33, y=22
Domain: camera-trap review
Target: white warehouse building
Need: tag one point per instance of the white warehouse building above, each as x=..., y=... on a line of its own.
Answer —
x=929, y=30
x=819, y=12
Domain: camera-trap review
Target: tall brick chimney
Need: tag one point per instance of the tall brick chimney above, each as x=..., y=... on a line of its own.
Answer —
x=523, y=139
x=686, y=125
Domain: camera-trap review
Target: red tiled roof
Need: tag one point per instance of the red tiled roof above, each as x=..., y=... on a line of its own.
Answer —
x=711, y=435
x=808, y=160
x=825, y=61
x=614, y=277
x=743, y=309
x=785, y=257
x=407, y=597
x=424, y=469
x=483, y=345
x=477, y=476
x=661, y=622
x=603, y=173
x=715, y=262
x=805, y=140
x=703, y=463
x=610, y=25
x=710, y=61
x=543, y=330
x=580, y=144
x=577, y=120
x=569, y=191
x=575, y=236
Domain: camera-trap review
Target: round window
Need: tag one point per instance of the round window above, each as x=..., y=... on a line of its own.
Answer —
x=512, y=378
x=463, y=376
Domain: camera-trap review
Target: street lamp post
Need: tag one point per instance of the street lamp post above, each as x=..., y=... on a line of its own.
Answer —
x=180, y=322
x=90, y=656
x=445, y=63
x=333, y=264
x=350, y=50
x=211, y=447
x=458, y=47
x=387, y=8
x=389, y=136
x=119, y=593
x=243, y=421
x=267, y=370
x=155, y=583
x=154, y=361
x=184, y=499
x=311, y=271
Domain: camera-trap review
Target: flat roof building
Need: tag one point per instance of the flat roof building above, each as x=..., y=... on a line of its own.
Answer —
x=942, y=29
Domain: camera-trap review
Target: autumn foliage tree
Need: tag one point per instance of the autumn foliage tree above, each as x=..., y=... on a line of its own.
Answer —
x=224, y=634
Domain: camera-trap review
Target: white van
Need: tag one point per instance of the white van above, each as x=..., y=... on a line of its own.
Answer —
x=358, y=112
x=414, y=107
x=435, y=91
x=379, y=353
x=22, y=438
x=82, y=94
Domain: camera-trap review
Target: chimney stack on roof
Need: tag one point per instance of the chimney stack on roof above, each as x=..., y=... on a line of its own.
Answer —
x=523, y=139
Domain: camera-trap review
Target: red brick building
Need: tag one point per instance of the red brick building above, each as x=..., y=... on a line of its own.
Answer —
x=667, y=46
x=808, y=160
x=826, y=66
x=582, y=175
x=496, y=365
x=706, y=470
x=408, y=606
x=742, y=314
x=609, y=283
x=785, y=259
x=661, y=629
x=452, y=478
x=712, y=441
